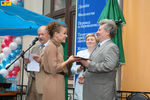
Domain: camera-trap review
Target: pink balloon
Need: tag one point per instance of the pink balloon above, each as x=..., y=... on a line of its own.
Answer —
x=3, y=45
x=2, y=51
x=11, y=37
x=17, y=68
x=10, y=73
x=7, y=76
x=14, y=72
x=7, y=40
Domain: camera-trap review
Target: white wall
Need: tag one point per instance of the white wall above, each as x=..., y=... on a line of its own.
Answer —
x=34, y=5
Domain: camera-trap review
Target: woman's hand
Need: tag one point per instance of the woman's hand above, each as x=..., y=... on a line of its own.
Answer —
x=37, y=59
x=84, y=63
x=73, y=59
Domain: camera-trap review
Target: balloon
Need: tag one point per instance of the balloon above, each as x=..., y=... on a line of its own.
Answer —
x=6, y=50
x=17, y=68
x=1, y=50
x=13, y=51
x=17, y=51
x=5, y=61
x=17, y=40
x=4, y=72
x=2, y=55
x=12, y=37
x=17, y=63
x=10, y=73
x=3, y=45
x=19, y=47
x=14, y=72
x=7, y=40
x=1, y=66
x=12, y=56
x=13, y=45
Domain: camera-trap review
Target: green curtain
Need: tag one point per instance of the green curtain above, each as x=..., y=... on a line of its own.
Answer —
x=112, y=11
x=66, y=75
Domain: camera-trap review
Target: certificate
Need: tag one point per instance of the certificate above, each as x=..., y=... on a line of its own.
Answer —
x=81, y=57
x=33, y=65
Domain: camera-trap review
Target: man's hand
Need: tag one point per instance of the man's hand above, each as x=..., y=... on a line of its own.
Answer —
x=84, y=63
x=81, y=79
x=37, y=59
x=26, y=61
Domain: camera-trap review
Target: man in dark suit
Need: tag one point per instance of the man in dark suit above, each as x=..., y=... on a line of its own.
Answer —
x=99, y=78
x=35, y=83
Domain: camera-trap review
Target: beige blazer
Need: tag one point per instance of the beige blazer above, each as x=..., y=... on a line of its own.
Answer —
x=54, y=84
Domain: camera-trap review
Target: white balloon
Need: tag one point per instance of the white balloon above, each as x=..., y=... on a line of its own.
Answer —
x=13, y=45
x=17, y=40
x=17, y=63
x=6, y=50
x=2, y=55
x=14, y=2
x=4, y=72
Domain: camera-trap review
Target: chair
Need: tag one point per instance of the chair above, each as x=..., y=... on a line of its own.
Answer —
x=138, y=97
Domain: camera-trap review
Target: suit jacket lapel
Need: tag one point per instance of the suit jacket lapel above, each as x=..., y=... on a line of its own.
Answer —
x=98, y=50
x=42, y=53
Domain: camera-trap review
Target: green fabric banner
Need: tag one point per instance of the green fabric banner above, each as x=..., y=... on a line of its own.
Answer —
x=66, y=75
x=112, y=11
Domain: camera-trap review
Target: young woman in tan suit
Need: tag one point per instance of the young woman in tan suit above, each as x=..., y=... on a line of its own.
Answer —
x=53, y=64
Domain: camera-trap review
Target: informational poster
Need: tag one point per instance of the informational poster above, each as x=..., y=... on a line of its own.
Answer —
x=88, y=12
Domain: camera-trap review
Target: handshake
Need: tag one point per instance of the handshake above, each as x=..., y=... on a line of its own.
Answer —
x=82, y=61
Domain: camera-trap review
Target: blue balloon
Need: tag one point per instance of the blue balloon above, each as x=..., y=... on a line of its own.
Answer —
x=13, y=51
x=12, y=56
x=5, y=61
x=19, y=47
x=2, y=66
x=17, y=51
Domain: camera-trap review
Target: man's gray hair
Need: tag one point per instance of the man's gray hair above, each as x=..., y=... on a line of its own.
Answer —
x=109, y=26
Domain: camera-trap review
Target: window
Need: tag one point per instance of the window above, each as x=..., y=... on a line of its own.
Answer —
x=73, y=2
x=46, y=7
x=59, y=4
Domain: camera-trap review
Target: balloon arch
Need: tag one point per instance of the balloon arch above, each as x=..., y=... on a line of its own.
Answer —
x=11, y=48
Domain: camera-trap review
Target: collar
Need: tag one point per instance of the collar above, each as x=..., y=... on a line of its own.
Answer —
x=56, y=42
x=104, y=42
x=45, y=44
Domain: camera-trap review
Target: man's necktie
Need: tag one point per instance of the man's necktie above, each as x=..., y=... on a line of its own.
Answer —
x=98, y=45
x=41, y=48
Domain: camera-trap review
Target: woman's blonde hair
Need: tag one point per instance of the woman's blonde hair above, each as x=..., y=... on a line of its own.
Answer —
x=91, y=35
